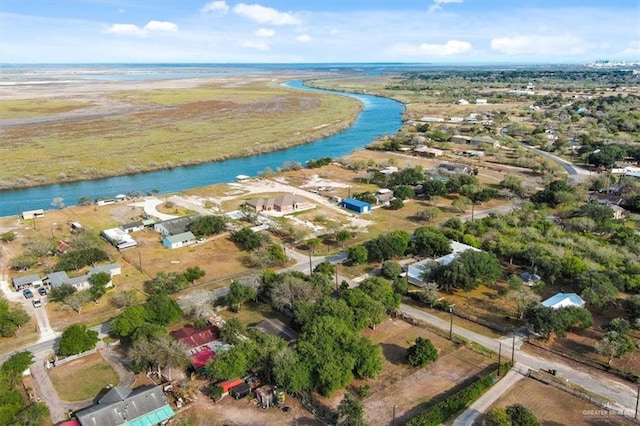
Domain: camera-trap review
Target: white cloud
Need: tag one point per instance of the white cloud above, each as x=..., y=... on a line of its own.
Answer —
x=161, y=26
x=452, y=47
x=437, y=4
x=258, y=45
x=539, y=45
x=126, y=30
x=215, y=6
x=265, y=32
x=303, y=38
x=134, y=30
x=632, y=50
x=265, y=15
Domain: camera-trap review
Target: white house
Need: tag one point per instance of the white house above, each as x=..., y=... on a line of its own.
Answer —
x=20, y=283
x=416, y=270
x=179, y=240
x=481, y=101
x=119, y=238
x=564, y=300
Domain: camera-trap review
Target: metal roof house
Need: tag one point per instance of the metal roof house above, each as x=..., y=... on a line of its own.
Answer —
x=356, y=205
x=179, y=240
x=416, y=270
x=564, y=300
x=32, y=214
x=176, y=226
x=277, y=328
x=56, y=279
x=122, y=406
x=20, y=283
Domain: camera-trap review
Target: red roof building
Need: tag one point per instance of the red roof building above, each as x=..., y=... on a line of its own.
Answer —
x=193, y=337
x=200, y=358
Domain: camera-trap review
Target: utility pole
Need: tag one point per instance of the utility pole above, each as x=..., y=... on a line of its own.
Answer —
x=451, y=324
x=335, y=266
x=499, y=357
x=393, y=423
x=637, y=401
x=513, y=348
x=310, y=264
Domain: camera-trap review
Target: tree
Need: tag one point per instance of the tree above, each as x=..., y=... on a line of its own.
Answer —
x=497, y=416
x=77, y=300
x=620, y=325
x=343, y=236
x=57, y=203
x=387, y=246
x=16, y=365
x=61, y=292
x=78, y=258
x=238, y=294
x=430, y=242
x=207, y=225
x=600, y=294
x=396, y=204
x=468, y=271
x=522, y=416
x=403, y=192
x=22, y=263
x=391, y=269
x=434, y=188
x=229, y=364
x=77, y=339
x=125, y=324
x=461, y=203
x=381, y=290
x=357, y=255
x=523, y=298
x=158, y=353
x=422, y=353
x=162, y=309
x=167, y=283
x=246, y=239
x=99, y=283
x=193, y=273
x=614, y=344
x=232, y=331
x=632, y=307
x=350, y=411
x=290, y=371
x=124, y=299
x=11, y=319
x=428, y=294
x=34, y=414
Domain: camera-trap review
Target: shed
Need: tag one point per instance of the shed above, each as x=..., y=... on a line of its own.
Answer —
x=132, y=227
x=179, y=240
x=32, y=214
x=240, y=391
x=228, y=384
x=356, y=205
x=27, y=281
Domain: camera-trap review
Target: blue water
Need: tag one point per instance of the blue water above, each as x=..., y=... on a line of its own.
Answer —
x=380, y=116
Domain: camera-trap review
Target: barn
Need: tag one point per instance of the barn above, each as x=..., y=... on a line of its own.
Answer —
x=356, y=205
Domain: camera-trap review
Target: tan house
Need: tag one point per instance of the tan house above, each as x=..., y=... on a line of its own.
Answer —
x=283, y=204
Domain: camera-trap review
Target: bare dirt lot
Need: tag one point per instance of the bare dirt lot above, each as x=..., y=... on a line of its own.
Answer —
x=555, y=407
x=244, y=412
x=402, y=385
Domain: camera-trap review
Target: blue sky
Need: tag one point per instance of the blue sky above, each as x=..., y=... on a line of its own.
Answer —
x=223, y=31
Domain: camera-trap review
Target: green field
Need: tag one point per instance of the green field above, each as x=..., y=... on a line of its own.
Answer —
x=23, y=108
x=171, y=128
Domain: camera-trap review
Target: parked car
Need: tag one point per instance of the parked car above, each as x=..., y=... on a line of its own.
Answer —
x=28, y=294
x=37, y=303
x=42, y=291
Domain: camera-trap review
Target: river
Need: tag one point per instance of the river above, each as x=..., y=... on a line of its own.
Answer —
x=380, y=116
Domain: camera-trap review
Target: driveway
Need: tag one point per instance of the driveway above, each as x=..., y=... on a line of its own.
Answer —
x=482, y=404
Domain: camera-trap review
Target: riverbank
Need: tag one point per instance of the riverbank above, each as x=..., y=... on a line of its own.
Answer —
x=126, y=128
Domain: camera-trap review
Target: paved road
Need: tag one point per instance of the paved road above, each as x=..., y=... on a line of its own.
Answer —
x=482, y=404
x=575, y=172
x=621, y=395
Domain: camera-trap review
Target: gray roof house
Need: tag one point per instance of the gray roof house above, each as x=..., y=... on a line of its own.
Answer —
x=121, y=406
x=20, y=283
x=56, y=279
x=275, y=327
x=179, y=240
x=175, y=226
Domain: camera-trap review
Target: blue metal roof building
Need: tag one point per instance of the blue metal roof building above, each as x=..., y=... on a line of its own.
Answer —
x=564, y=300
x=356, y=205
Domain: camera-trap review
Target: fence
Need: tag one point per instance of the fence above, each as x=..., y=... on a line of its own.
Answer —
x=607, y=411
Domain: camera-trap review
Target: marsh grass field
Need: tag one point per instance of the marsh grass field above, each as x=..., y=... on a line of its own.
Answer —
x=119, y=129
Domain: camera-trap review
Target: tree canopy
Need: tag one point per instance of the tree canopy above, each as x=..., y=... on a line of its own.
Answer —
x=77, y=339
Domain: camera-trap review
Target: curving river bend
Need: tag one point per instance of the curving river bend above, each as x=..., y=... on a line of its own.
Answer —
x=380, y=116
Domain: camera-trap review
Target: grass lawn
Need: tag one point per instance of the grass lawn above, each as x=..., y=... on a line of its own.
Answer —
x=26, y=335
x=95, y=374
